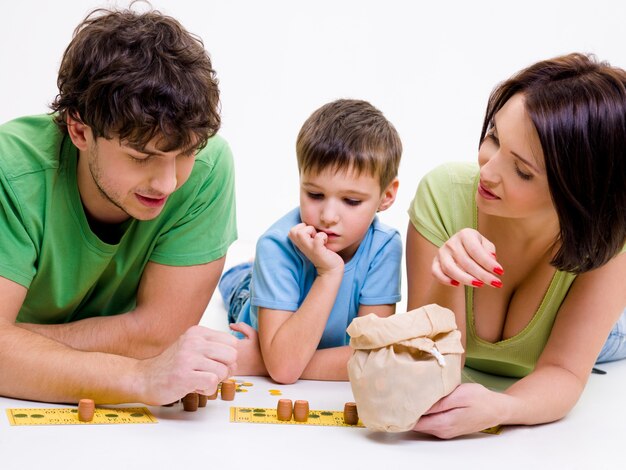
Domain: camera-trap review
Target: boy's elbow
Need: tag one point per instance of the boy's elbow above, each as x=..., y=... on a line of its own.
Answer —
x=283, y=375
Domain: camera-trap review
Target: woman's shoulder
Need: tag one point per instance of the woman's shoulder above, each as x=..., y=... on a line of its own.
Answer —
x=448, y=182
x=452, y=173
x=444, y=201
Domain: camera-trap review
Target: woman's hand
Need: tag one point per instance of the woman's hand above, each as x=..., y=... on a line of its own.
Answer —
x=467, y=258
x=469, y=408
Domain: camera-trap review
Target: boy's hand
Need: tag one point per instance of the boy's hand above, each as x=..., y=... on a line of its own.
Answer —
x=197, y=362
x=313, y=245
x=249, y=358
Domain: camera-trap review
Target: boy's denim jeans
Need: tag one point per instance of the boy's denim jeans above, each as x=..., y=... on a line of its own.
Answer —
x=234, y=287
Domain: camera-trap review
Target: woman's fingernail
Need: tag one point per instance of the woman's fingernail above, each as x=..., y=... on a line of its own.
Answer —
x=477, y=283
x=493, y=253
x=498, y=270
x=455, y=283
x=496, y=283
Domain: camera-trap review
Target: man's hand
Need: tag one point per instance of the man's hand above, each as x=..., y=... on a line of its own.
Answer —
x=197, y=362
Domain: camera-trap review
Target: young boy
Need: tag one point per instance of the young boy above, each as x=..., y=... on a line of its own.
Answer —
x=329, y=260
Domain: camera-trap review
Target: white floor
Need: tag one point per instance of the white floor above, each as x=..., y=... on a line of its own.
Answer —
x=591, y=437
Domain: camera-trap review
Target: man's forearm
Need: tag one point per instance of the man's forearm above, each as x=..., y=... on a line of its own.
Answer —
x=34, y=367
x=126, y=334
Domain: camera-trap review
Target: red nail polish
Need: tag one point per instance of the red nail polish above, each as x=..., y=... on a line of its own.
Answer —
x=498, y=270
x=477, y=283
x=493, y=254
x=496, y=283
x=455, y=283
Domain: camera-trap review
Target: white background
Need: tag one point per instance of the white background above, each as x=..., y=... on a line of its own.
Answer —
x=429, y=66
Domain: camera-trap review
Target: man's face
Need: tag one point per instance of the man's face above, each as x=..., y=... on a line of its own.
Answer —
x=117, y=181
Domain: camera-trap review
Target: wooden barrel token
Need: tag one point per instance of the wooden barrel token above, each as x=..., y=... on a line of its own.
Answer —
x=202, y=400
x=228, y=390
x=86, y=409
x=350, y=414
x=284, y=409
x=190, y=402
x=301, y=411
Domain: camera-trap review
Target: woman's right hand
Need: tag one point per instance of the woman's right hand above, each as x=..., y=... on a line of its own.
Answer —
x=467, y=258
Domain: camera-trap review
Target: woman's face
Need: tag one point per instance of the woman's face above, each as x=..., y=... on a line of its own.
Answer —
x=513, y=181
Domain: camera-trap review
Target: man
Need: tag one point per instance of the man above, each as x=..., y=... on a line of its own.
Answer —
x=116, y=213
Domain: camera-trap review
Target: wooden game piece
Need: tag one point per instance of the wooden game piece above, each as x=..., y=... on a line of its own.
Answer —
x=190, y=402
x=301, y=411
x=86, y=409
x=284, y=409
x=212, y=397
x=350, y=413
x=202, y=400
x=228, y=390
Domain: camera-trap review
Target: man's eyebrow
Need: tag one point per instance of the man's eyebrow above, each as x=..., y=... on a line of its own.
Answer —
x=187, y=152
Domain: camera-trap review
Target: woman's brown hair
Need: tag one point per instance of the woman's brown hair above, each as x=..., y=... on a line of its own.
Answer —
x=578, y=107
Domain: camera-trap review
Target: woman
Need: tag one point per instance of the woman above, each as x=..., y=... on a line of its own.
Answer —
x=536, y=236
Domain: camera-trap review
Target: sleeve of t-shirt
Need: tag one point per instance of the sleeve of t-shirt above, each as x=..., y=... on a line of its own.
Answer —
x=276, y=276
x=209, y=227
x=443, y=202
x=17, y=251
x=382, y=284
x=425, y=210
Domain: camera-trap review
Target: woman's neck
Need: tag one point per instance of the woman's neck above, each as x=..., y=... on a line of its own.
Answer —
x=536, y=235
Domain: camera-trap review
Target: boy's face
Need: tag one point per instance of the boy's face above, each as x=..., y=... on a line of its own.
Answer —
x=342, y=204
x=117, y=181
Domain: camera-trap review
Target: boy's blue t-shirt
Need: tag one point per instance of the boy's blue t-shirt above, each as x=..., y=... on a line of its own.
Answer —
x=282, y=277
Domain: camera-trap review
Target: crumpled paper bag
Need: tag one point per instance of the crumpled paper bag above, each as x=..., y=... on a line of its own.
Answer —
x=403, y=364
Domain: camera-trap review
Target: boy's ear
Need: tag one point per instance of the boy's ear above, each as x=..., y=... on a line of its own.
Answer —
x=389, y=195
x=79, y=132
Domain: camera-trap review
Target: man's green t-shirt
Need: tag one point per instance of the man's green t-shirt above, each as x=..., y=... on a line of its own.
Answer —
x=48, y=247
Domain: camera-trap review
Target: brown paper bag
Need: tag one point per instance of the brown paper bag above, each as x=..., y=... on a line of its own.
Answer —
x=403, y=364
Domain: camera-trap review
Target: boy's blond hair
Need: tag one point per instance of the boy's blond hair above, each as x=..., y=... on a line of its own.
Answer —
x=349, y=135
